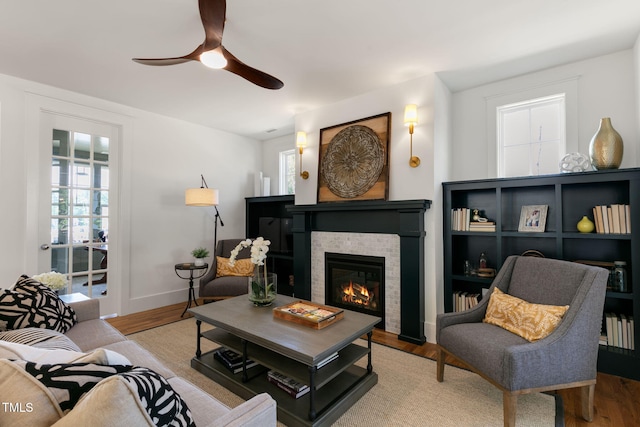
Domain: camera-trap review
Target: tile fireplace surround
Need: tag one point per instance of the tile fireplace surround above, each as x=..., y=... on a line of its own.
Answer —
x=395, y=227
x=382, y=245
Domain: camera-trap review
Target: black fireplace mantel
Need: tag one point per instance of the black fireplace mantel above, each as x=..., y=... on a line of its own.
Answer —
x=404, y=218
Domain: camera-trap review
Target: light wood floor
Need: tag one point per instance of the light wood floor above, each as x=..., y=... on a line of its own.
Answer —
x=617, y=400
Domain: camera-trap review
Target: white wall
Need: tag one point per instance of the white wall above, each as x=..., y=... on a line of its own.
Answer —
x=162, y=157
x=602, y=90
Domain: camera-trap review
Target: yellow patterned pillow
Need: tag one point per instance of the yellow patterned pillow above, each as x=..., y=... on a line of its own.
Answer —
x=242, y=267
x=530, y=321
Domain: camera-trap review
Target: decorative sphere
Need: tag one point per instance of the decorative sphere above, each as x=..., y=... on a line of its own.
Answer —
x=575, y=162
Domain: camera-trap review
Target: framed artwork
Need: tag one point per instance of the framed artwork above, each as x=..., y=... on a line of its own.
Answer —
x=533, y=218
x=354, y=160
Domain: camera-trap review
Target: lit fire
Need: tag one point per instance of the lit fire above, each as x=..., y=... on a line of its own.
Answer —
x=356, y=294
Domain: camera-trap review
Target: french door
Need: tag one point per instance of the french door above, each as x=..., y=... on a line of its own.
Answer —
x=75, y=193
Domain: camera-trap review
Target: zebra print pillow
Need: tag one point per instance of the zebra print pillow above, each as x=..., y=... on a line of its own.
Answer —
x=32, y=304
x=68, y=382
x=76, y=384
x=162, y=403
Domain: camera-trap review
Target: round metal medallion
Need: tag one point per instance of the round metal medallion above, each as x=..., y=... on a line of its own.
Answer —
x=353, y=161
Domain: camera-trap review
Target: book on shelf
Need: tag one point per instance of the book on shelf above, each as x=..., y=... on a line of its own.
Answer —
x=488, y=226
x=292, y=387
x=464, y=300
x=620, y=330
x=327, y=360
x=461, y=220
x=232, y=360
x=612, y=219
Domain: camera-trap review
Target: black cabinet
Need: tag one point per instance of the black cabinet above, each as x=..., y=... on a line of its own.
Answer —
x=569, y=197
x=269, y=218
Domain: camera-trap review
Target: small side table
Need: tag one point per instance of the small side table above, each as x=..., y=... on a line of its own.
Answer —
x=190, y=267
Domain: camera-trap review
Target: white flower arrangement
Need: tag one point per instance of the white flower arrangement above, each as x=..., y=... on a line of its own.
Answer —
x=261, y=292
x=53, y=279
x=259, y=249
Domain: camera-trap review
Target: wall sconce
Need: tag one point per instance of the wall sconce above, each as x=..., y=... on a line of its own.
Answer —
x=301, y=142
x=411, y=119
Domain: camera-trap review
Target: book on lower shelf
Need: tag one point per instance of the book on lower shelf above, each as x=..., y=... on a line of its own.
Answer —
x=620, y=330
x=465, y=300
x=289, y=385
x=232, y=360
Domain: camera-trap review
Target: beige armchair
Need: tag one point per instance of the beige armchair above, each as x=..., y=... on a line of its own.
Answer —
x=213, y=287
x=566, y=358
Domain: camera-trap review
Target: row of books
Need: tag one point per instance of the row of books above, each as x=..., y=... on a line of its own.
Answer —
x=612, y=219
x=233, y=362
x=292, y=387
x=461, y=221
x=620, y=331
x=464, y=300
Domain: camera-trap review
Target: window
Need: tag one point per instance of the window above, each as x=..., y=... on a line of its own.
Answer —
x=80, y=208
x=531, y=136
x=288, y=172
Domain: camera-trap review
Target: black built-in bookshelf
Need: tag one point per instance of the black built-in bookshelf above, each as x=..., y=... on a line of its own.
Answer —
x=569, y=197
x=268, y=217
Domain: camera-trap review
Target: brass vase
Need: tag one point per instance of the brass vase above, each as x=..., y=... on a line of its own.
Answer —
x=606, y=147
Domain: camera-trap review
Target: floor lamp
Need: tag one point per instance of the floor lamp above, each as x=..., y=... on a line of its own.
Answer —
x=205, y=196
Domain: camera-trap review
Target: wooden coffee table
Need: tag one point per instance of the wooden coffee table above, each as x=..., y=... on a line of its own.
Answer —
x=293, y=350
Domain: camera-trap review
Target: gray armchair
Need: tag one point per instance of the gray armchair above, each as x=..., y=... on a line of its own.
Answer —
x=566, y=358
x=216, y=288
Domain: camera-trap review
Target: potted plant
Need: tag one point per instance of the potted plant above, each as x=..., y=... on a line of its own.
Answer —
x=200, y=254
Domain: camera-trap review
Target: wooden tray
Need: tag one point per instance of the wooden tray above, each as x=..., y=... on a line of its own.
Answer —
x=309, y=314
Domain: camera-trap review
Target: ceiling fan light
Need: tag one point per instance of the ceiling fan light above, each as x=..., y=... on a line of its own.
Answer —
x=213, y=58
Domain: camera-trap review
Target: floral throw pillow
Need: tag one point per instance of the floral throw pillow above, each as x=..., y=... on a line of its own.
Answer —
x=242, y=267
x=530, y=321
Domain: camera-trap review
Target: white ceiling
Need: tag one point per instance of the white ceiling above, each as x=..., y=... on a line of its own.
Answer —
x=323, y=50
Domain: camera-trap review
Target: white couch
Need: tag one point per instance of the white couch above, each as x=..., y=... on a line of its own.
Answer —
x=91, y=333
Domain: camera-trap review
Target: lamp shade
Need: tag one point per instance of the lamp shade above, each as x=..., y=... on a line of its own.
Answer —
x=301, y=139
x=201, y=197
x=411, y=114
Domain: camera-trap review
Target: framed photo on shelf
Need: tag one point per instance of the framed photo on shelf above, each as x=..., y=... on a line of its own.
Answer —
x=533, y=218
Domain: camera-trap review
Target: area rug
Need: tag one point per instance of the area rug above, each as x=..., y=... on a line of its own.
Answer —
x=407, y=393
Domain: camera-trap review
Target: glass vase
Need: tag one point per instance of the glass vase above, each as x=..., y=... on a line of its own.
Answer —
x=263, y=287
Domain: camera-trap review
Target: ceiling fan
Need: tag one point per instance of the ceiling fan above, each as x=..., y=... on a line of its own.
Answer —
x=212, y=54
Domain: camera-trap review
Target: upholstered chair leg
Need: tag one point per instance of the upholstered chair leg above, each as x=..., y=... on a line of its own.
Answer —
x=509, y=405
x=587, y=394
x=440, y=368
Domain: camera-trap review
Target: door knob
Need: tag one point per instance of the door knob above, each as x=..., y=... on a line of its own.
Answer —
x=44, y=246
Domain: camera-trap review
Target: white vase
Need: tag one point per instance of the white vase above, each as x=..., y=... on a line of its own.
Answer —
x=198, y=262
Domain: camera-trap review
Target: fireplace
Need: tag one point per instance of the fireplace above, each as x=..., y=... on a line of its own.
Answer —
x=403, y=218
x=355, y=282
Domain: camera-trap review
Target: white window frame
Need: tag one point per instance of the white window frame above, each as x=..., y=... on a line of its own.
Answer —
x=283, y=170
x=502, y=110
x=568, y=86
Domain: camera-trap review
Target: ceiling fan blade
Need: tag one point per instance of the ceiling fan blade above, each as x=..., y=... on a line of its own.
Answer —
x=249, y=73
x=193, y=56
x=212, y=13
